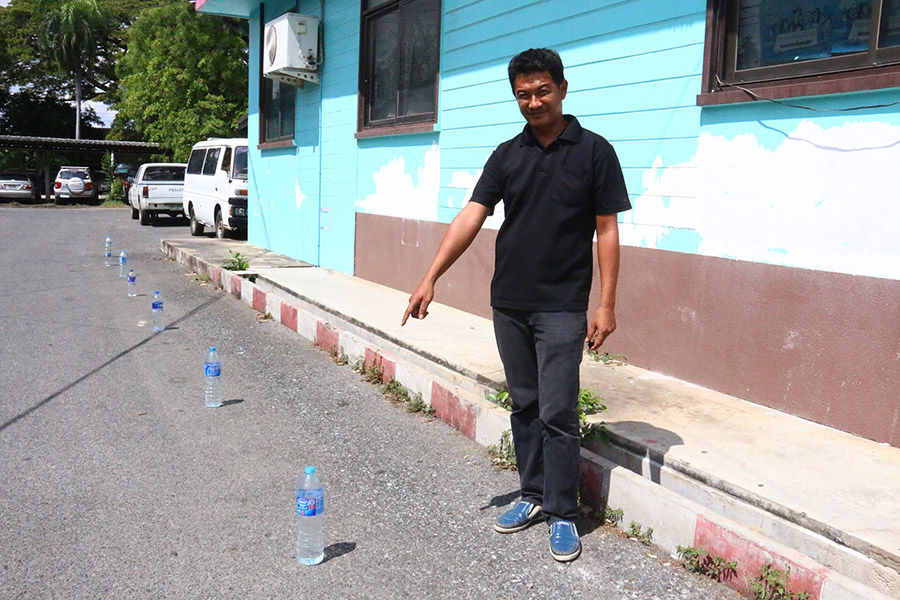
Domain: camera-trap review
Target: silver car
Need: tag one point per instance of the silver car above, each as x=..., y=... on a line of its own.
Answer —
x=73, y=183
x=18, y=186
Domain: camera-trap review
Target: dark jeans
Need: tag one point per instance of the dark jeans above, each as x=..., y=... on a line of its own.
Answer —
x=541, y=354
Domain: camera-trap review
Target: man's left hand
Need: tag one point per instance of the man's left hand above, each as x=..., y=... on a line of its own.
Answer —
x=603, y=324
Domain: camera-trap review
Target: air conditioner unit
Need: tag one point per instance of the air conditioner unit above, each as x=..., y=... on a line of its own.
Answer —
x=291, y=49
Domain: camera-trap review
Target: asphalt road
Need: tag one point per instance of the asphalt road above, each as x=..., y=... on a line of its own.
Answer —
x=117, y=482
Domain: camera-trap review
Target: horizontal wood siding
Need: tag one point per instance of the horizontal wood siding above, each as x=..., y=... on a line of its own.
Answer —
x=633, y=68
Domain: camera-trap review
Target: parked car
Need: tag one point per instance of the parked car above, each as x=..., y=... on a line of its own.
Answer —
x=19, y=186
x=158, y=188
x=73, y=183
x=102, y=182
x=215, y=186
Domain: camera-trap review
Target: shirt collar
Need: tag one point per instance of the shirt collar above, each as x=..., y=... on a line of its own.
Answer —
x=572, y=132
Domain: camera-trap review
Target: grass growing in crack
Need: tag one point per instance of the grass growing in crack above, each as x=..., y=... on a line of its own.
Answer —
x=613, y=516
x=590, y=403
x=698, y=560
x=264, y=317
x=202, y=278
x=417, y=404
x=606, y=357
x=635, y=531
x=373, y=374
x=503, y=454
x=771, y=584
x=340, y=358
x=501, y=398
x=395, y=391
x=237, y=262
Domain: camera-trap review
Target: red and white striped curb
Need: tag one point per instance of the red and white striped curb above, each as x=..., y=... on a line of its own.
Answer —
x=461, y=402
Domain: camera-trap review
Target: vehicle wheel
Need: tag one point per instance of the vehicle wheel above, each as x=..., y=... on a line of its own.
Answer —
x=134, y=213
x=220, y=226
x=144, y=216
x=196, y=226
x=58, y=201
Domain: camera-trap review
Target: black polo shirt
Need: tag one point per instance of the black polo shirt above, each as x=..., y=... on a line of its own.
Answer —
x=551, y=197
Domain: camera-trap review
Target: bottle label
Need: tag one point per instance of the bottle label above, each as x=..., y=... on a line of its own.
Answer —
x=310, y=507
x=131, y=279
x=123, y=260
x=157, y=305
x=108, y=254
x=213, y=369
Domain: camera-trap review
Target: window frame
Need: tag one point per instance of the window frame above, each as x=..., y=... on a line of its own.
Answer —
x=858, y=74
x=265, y=98
x=423, y=122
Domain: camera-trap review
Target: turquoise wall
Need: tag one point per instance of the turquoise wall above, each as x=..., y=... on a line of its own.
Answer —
x=738, y=181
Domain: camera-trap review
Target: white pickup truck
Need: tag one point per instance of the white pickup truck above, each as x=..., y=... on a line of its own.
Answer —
x=158, y=188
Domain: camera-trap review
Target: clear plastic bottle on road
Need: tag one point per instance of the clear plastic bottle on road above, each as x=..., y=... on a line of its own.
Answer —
x=157, y=306
x=107, y=252
x=213, y=371
x=132, y=286
x=123, y=264
x=310, y=506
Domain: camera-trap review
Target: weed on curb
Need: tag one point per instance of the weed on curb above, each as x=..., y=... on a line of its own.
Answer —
x=503, y=454
x=636, y=532
x=770, y=585
x=237, y=262
x=607, y=358
x=613, y=516
x=698, y=560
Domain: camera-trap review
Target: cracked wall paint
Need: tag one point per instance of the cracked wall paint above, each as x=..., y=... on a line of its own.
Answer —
x=823, y=199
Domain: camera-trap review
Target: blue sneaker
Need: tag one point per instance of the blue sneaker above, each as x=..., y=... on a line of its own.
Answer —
x=564, y=542
x=518, y=517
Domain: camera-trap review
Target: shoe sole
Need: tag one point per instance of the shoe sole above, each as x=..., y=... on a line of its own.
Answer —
x=501, y=529
x=565, y=557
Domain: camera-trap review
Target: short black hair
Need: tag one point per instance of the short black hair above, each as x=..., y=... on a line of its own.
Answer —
x=535, y=60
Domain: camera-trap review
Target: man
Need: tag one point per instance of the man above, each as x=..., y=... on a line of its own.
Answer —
x=559, y=184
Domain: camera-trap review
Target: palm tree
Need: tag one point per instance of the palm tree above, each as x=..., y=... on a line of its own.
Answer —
x=68, y=39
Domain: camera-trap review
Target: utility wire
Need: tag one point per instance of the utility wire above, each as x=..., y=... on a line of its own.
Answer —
x=756, y=96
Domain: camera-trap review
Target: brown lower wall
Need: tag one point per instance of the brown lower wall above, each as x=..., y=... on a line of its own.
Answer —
x=822, y=346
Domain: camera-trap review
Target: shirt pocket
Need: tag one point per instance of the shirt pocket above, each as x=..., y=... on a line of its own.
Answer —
x=573, y=186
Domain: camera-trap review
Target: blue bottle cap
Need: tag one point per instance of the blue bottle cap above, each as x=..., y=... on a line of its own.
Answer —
x=309, y=470
x=156, y=292
x=212, y=348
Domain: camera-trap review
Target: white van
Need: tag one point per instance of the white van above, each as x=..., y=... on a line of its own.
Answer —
x=215, y=186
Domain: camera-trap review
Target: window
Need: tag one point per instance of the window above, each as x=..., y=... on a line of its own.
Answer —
x=195, y=162
x=277, y=102
x=226, y=161
x=212, y=160
x=399, y=64
x=789, y=48
x=240, y=163
x=277, y=111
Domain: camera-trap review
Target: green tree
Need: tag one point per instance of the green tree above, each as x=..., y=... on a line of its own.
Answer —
x=183, y=78
x=68, y=40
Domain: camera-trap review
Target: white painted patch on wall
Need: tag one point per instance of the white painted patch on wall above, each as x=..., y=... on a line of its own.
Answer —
x=396, y=195
x=824, y=199
x=466, y=181
x=299, y=196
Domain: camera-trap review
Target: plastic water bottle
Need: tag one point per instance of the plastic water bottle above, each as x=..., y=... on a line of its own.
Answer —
x=310, y=506
x=213, y=371
x=107, y=253
x=157, y=306
x=132, y=288
x=123, y=264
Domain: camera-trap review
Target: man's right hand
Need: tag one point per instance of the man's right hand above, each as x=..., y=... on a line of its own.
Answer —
x=419, y=301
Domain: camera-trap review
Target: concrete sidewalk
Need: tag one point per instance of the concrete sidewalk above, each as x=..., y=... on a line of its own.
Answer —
x=701, y=468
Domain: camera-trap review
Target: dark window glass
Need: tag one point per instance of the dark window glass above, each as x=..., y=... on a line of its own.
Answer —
x=776, y=39
x=212, y=159
x=240, y=163
x=164, y=174
x=279, y=100
x=195, y=162
x=400, y=61
x=226, y=160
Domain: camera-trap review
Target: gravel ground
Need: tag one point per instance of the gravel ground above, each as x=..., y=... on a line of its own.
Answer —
x=117, y=482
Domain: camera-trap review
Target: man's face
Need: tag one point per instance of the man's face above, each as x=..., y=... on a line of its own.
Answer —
x=539, y=98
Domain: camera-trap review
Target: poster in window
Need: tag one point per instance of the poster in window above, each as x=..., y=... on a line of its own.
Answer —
x=778, y=32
